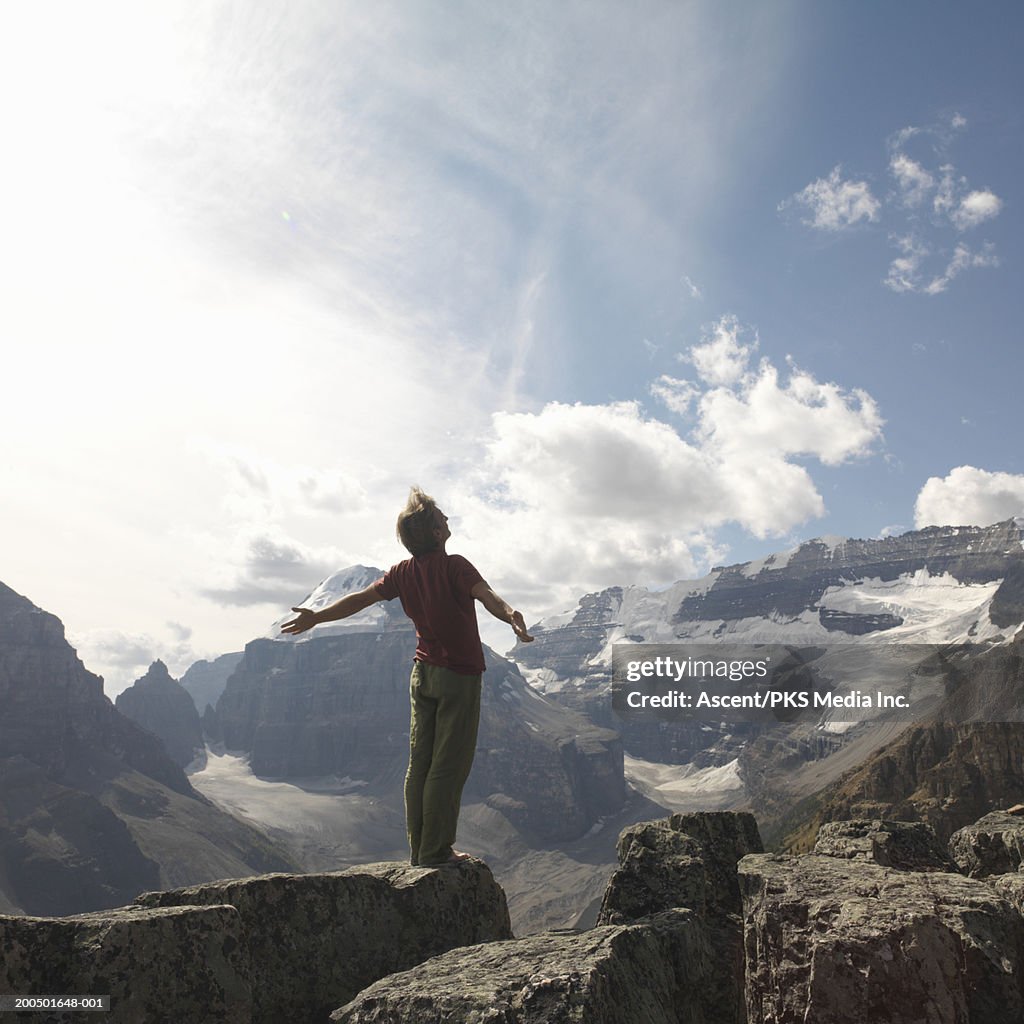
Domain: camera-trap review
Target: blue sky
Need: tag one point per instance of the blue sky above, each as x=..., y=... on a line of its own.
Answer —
x=632, y=290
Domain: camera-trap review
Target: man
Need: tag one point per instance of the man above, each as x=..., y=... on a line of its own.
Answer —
x=437, y=591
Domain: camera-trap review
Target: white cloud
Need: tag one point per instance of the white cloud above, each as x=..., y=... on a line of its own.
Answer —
x=123, y=657
x=892, y=530
x=922, y=231
x=835, y=204
x=914, y=181
x=905, y=270
x=597, y=494
x=963, y=207
x=675, y=394
x=722, y=358
x=962, y=259
x=975, y=208
x=803, y=417
x=968, y=496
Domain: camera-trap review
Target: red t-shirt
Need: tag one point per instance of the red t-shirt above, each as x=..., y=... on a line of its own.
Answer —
x=436, y=593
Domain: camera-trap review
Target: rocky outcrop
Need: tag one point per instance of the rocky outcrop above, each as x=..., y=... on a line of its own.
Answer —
x=909, y=846
x=92, y=808
x=994, y=845
x=839, y=941
x=162, y=706
x=314, y=941
x=339, y=705
x=689, y=860
x=1011, y=887
x=158, y=966
x=646, y=973
x=686, y=934
x=262, y=950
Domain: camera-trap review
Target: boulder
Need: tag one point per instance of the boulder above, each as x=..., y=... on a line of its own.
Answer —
x=161, y=966
x=651, y=972
x=689, y=860
x=993, y=845
x=659, y=869
x=845, y=942
x=1011, y=887
x=314, y=941
x=907, y=845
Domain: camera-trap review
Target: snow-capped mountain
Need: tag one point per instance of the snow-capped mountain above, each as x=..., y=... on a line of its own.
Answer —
x=940, y=585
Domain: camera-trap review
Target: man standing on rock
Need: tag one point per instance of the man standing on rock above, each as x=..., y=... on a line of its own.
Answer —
x=437, y=591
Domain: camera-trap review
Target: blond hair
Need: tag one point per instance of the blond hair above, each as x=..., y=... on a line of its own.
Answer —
x=416, y=523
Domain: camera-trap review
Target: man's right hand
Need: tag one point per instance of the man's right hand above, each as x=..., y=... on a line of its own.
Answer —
x=306, y=619
x=519, y=627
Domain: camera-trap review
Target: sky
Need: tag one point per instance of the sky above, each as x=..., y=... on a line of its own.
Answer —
x=632, y=290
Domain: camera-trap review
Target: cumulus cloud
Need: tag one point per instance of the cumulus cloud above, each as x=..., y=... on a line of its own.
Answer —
x=969, y=496
x=598, y=493
x=835, y=204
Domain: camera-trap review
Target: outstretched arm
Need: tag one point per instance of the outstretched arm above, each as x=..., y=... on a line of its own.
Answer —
x=501, y=610
x=341, y=609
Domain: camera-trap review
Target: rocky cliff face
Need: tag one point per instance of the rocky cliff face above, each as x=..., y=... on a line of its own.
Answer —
x=55, y=712
x=162, y=706
x=92, y=808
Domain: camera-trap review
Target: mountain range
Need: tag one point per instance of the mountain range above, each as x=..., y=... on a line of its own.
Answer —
x=558, y=772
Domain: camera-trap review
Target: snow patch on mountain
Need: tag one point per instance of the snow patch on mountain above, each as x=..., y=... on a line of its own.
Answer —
x=345, y=581
x=934, y=609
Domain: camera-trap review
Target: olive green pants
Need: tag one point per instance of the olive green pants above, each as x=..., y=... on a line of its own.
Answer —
x=442, y=742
